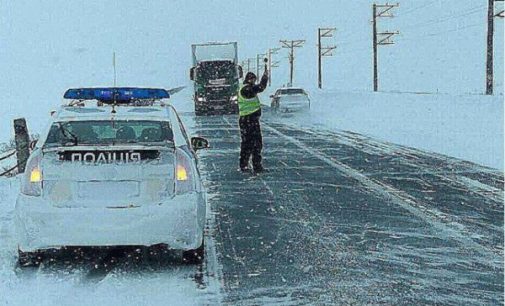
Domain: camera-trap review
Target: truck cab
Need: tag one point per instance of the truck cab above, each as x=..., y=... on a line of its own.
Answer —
x=216, y=76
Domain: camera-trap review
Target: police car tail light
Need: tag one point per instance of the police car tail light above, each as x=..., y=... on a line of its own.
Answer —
x=183, y=175
x=36, y=176
x=32, y=182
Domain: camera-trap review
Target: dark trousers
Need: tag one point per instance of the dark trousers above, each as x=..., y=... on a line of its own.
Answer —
x=251, y=140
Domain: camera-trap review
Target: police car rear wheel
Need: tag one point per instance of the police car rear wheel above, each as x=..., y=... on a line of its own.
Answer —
x=195, y=256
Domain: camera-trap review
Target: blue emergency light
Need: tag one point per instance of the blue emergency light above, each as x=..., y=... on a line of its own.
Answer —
x=116, y=94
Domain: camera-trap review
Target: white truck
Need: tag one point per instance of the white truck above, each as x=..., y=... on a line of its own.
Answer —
x=216, y=75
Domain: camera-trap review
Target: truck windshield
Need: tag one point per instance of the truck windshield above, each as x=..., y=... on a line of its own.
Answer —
x=108, y=133
x=215, y=70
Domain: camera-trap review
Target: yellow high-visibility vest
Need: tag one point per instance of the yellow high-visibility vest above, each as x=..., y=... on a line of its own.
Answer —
x=247, y=106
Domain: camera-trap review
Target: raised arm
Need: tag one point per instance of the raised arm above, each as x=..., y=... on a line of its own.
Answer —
x=251, y=91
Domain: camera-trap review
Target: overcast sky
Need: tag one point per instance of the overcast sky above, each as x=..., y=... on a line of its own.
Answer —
x=48, y=46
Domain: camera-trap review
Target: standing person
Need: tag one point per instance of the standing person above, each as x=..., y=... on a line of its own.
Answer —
x=250, y=111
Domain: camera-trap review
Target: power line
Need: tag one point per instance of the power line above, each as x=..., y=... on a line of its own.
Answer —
x=442, y=19
x=353, y=50
x=445, y=18
x=500, y=14
x=410, y=38
x=416, y=8
x=440, y=33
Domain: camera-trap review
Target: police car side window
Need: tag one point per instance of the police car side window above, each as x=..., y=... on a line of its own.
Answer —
x=184, y=133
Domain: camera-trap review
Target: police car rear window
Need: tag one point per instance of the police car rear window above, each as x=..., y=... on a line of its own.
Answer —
x=291, y=91
x=109, y=132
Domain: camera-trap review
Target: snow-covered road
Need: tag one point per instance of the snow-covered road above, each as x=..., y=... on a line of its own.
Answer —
x=339, y=218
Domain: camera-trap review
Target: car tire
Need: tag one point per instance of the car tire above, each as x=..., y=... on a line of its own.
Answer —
x=29, y=259
x=195, y=256
x=275, y=107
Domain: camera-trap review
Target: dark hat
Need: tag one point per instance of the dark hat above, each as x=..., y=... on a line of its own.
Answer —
x=249, y=75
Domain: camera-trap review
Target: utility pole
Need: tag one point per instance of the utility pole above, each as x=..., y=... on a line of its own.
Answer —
x=258, y=56
x=380, y=38
x=490, y=53
x=248, y=63
x=243, y=64
x=292, y=44
x=323, y=51
x=270, y=64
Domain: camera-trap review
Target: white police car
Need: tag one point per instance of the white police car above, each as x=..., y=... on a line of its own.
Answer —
x=115, y=167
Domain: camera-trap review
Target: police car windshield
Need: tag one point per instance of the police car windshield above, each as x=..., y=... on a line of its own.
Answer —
x=109, y=133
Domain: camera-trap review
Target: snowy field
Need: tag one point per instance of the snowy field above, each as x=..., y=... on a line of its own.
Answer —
x=468, y=127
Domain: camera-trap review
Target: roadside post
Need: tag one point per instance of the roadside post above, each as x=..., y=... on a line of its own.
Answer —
x=22, y=143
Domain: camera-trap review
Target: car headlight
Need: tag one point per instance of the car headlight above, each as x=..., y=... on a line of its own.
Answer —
x=201, y=99
x=234, y=99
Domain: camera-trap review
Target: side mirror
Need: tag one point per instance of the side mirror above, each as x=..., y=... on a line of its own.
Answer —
x=192, y=74
x=199, y=143
x=32, y=144
x=240, y=72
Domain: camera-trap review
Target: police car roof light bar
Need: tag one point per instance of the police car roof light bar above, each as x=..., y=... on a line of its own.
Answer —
x=116, y=94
